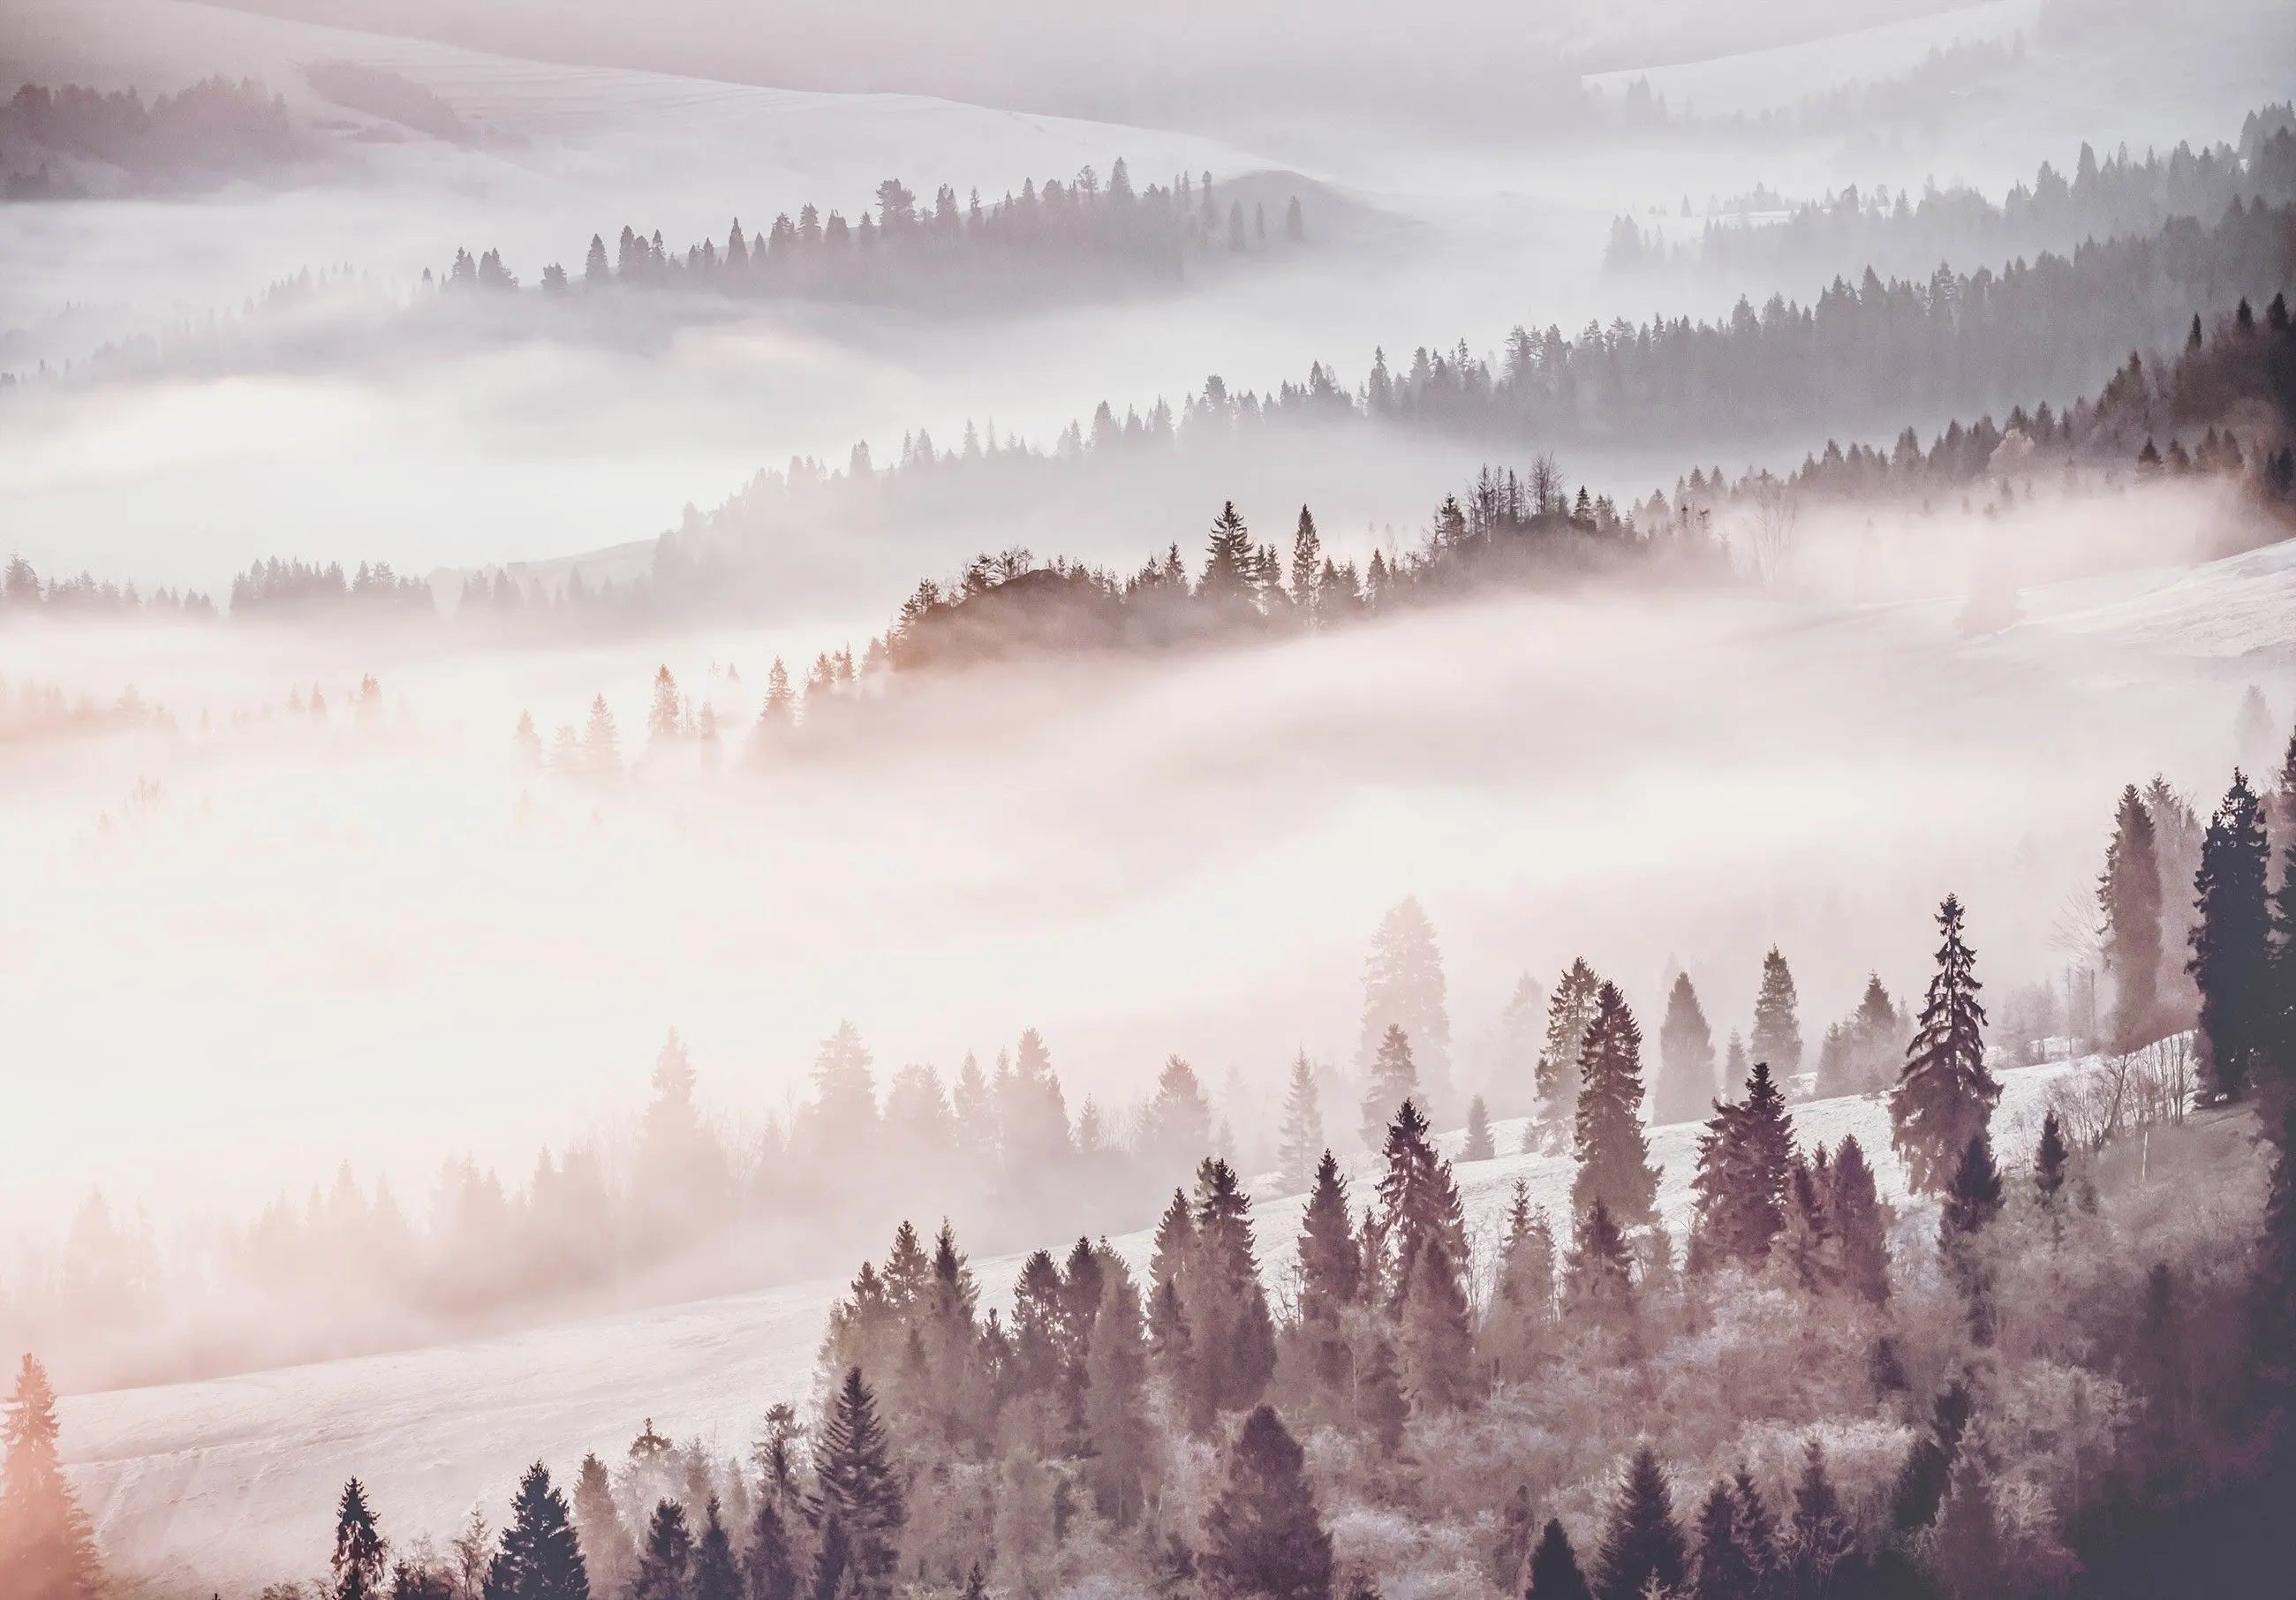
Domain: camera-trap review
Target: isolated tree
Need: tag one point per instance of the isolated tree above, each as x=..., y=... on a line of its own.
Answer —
x=1554, y=1573
x=1301, y=1141
x=47, y=1551
x=855, y=1489
x=1612, y=1152
x=1569, y=1011
x=1777, y=1038
x=602, y=749
x=2231, y=945
x=1392, y=1081
x=2128, y=897
x=1686, y=1055
x=540, y=1558
x=1643, y=1546
x=1477, y=1147
x=1264, y=1538
x=1404, y=988
x=356, y=1570
x=666, y=715
x=1944, y=1098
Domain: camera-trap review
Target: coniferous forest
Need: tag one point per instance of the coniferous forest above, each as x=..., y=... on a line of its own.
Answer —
x=735, y=879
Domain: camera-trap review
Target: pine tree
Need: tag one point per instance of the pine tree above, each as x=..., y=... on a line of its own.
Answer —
x=1227, y=1305
x=1643, y=1544
x=1612, y=1152
x=1115, y=1404
x=2049, y=1160
x=606, y=1544
x=665, y=1570
x=1820, y=1539
x=1686, y=1054
x=2129, y=895
x=1302, y=1138
x=715, y=1575
x=769, y=1569
x=1723, y=1570
x=1569, y=1012
x=2231, y=945
x=1307, y=564
x=1419, y=1201
x=1228, y=569
x=1331, y=1271
x=1777, y=1038
x=1382, y=1407
x=1437, y=1346
x=1554, y=1573
x=356, y=1570
x=1403, y=989
x=1600, y=1274
x=540, y=1558
x=1969, y=1544
x=47, y=1551
x=1944, y=1098
x=1741, y=1183
x=1393, y=1080
x=854, y=1488
x=1264, y=1538
x=1522, y=1299
x=666, y=715
x=1861, y=1222
x=1477, y=1147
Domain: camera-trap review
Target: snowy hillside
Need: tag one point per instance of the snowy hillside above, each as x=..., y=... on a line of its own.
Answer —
x=233, y=1480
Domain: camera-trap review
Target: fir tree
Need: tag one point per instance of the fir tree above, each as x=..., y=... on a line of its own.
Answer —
x=1115, y=1405
x=1741, y=1183
x=715, y=1575
x=1554, y=1573
x=1723, y=1568
x=1921, y=1483
x=1437, y=1346
x=356, y=1570
x=607, y=1548
x=1569, y=1012
x=1686, y=1055
x=2231, y=945
x=2129, y=895
x=1861, y=1222
x=1777, y=1038
x=540, y=1558
x=1382, y=1407
x=665, y=1569
x=1643, y=1544
x=2049, y=1161
x=1227, y=1305
x=47, y=1551
x=1307, y=562
x=1264, y=1538
x=1944, y=1098
x=1477, y=1147
x=1968, y=1542
x=1973, y=1198
x=854, y=1488
x=1820, y=1539
x=1393, y=1080
x=1612, y=1152
x=1522, y=1299
x=1331, y=1271
x=1403, y=989
x=769, y=1570
x=1229, y=568
x=1302, y=1138
x=1600, y=1274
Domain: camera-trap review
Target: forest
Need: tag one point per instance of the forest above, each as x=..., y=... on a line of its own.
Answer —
x=67, y=140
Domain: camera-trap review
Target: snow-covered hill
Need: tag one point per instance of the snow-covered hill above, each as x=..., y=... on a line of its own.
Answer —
x=232, y=1480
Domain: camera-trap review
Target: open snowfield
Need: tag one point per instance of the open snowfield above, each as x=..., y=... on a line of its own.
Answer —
x=232, y=1480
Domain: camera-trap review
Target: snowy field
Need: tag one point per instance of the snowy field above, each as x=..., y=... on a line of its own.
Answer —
x=233, y=1480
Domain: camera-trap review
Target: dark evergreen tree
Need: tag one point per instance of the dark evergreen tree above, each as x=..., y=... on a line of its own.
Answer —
x=1522, y=1299
x=1723, y=1568
x=1945, y=1097
x=1477, y=1146
x=1331, y=1270
x=1861, y=1222
x=1570, y=1012
x=607, y=1548
x=1419, y=1200
x=715, y=1575
x=1382, y=1407
x=665, y=1570
x=1921, y=1483
x=1613, y=1154
x=1777, y=1038
x=1229, y=569
x=1741, y=1181
x=2232, y=944
x=1555, y=1573
x=854, y=1488
x=1686, y=1055
x=2129, y=896
x=1643, y=1546
x=1973, y=1198
x=1393, y=1080
x=1821, y=1539
x=769, y=1564
x=1437, y=1345
x=1264, y=1538
x=1599, y=1278
x=47, y=1551
x=539, y=1558
x=2050, y=1158
x=356, y=1570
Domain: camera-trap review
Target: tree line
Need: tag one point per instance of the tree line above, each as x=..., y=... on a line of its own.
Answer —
x=214, y=125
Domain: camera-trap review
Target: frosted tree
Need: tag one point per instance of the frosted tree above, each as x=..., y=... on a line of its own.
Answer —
x=1613, y=1154
x=1404, y=988
x=1301, y=1142
x=1569, y=1012
x=2128, y=898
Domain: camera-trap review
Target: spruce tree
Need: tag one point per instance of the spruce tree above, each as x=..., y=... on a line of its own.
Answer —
x=1643, y=1544
x=1393, y=1080
x=1820, y=1539
x=47, y=1551
x=769, y=1570
x=1554, y=1573
x=1115, y=1403
x=1404, y=988
x=1861, y=1222
x=1686, y=1055
x=1522, y=1299
x=1263, y=1536
x=2231, y=945
x=607, y=1548
x=1302, y=1138
x=1228, y=569
x=1419, y=1201
x=1600, y=1274
x=1744, y=1160
x=1331, y=1270
x=1777, y=1038
x=1227, y=1304
x=2129, y=896
x=1945, y=1097
x=1722, y=1570
x=539, y=1558
x=1569, y=1012
x=1973, y=1198
x=2049, y=1161
x=855, y=1486
x=1438, y=1344
x=1613, y=1154
x=715, y=1575
x=1477, y=1147
x=356, y=1570
x=1382, y=1407
x=1307, y=562
x=665, y=1570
